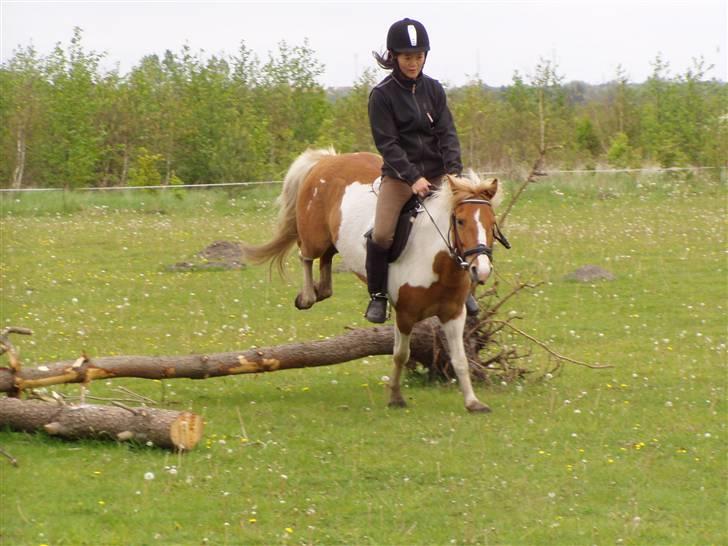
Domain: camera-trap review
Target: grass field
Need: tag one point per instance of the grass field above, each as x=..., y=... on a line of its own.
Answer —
x=635, y=454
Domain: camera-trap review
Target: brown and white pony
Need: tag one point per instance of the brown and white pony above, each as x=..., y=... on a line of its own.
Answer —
x=327, y=205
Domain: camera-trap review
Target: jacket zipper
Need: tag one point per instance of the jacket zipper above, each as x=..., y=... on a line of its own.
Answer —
x=419, y=138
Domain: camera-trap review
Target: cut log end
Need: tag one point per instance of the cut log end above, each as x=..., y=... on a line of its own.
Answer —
x=186, y=431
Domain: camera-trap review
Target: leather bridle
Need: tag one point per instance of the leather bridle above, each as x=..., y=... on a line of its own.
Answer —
x=461, y=255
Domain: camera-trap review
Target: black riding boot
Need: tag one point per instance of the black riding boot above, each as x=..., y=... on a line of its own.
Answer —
x=471, y=306
x=377, y=265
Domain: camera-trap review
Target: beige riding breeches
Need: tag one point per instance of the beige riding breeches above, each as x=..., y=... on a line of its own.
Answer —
x=393, y=194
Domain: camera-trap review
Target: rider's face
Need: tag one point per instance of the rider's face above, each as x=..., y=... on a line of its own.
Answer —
x=410, y=64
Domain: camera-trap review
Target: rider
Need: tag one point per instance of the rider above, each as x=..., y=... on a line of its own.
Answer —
x=415, y=134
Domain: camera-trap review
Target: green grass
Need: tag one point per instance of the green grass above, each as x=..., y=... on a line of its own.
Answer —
x=635, y=454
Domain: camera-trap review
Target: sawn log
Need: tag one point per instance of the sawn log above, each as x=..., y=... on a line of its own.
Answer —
x=163, y=428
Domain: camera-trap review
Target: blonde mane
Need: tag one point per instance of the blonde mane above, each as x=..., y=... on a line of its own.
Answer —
x=455, y=189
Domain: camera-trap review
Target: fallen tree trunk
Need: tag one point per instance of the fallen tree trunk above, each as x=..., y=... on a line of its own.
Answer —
x=163, y=428
x=357, y=343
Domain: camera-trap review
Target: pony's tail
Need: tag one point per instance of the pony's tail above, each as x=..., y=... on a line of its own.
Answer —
x=286, y=234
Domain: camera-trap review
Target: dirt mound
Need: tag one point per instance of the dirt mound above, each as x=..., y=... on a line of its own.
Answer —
x=220, y=255
x=589, y=273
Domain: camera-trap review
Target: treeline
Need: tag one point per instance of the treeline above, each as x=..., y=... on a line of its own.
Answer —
x=190, y=118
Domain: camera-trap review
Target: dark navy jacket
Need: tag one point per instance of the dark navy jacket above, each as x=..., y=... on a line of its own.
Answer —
x=413, y=128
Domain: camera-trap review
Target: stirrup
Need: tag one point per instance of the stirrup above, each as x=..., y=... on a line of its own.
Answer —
x=377, y=309
x=471, y=306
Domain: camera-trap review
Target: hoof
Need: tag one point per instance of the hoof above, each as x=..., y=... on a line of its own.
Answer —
x=397, y=403
x=477, y=407
x=322, y=294
x=301, y=304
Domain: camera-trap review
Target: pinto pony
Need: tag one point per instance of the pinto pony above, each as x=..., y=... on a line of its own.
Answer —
x=327, y=205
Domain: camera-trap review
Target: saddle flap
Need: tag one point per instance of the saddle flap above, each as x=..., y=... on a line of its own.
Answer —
x=410, y=210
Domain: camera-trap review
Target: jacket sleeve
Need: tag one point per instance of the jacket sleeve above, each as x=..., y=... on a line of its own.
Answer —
x=447, y=135
x=386, y=138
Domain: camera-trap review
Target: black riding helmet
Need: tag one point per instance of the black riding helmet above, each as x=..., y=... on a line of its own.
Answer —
x=407, y=36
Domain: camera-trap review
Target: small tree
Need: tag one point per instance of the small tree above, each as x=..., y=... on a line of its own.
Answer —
x=620, y=153
x=145, y=171
x=586, y=137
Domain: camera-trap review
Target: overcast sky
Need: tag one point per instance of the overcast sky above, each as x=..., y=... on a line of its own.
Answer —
x=587, y=40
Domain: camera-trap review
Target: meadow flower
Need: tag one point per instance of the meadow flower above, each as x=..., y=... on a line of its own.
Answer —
x=149, y=476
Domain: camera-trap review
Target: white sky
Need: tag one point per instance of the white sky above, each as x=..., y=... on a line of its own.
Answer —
x=492, y=39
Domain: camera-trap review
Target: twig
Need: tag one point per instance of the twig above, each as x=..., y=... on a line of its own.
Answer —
x=124, y=406
x=536, y=171
x=242, y=425
x=141, y=398
x=5, y=344
x=22, y=515
x=551, y=351
x=102, y=399
x=520, y=286
x=15, y=330
x=13, y=460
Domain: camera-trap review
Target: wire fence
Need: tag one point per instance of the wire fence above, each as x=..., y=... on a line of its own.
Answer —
x=266, y=182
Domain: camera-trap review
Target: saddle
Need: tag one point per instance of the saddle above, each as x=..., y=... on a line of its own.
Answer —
x=407, y=216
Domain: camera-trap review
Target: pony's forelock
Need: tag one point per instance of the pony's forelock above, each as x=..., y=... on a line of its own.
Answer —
x=470, y=186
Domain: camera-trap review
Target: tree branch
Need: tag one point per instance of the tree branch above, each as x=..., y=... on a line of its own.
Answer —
x=551, y=351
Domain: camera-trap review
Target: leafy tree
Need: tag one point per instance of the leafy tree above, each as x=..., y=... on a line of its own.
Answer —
x=22, y=91
x=347, y=127
x=620, y=153
x=471, y=108
x=586, y=137
x=71, y=148
x=145, y=171
x=293, y=102
x=521, y=109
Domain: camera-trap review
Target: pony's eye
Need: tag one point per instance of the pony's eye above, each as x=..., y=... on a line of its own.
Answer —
x=461, y=222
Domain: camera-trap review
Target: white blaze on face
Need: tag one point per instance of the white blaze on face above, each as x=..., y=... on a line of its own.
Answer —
x=482, y=263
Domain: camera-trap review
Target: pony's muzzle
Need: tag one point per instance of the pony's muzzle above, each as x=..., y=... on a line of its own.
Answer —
x=480, y=269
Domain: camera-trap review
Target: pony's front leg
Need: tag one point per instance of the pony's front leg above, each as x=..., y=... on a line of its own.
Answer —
x=401, y=356
x=454, y=333
x=307, y=296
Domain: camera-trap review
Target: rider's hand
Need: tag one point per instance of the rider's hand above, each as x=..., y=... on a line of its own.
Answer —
x=421, y=187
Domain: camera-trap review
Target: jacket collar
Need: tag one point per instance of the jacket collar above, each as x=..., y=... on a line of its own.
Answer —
x=403, y=80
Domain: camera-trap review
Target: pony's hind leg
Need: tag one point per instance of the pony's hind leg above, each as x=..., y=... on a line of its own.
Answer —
x=401, y=356
x=324, y=288
x=307, y=296
x=454, y=333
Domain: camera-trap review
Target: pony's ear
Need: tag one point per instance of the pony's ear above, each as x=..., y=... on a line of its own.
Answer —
x=450, y=178
x=492, y=189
